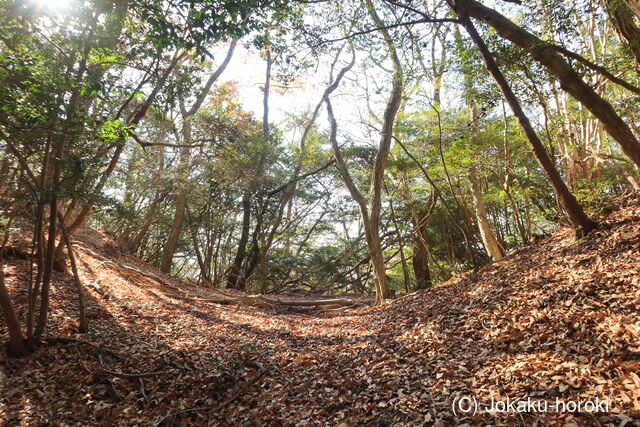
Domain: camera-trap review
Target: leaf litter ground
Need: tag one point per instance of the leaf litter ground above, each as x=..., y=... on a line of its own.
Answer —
x=556, y=320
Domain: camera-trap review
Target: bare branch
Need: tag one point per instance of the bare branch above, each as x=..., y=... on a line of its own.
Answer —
x=145, y=144
x=301, y=177
x=389, y=27
x=599, y=68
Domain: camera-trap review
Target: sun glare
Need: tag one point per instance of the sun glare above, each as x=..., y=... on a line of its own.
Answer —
x=53, y=4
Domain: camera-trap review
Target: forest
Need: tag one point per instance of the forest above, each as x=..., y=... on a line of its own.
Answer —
x=320, y=212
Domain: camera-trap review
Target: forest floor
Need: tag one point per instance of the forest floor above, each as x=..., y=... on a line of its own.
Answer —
x=558, y=319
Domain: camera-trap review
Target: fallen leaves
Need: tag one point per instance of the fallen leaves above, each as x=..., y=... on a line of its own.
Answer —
x=556, y=320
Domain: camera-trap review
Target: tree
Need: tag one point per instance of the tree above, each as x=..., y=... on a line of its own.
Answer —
x=17, y=345
x=186, y=143
x=569, y=79
x=634, y=5
x=491, y=244
x=580, y=222
x=370, y=209
x=624, y=24
x=74, y=102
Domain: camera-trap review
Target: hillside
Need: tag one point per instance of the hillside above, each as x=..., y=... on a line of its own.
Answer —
x=556, y=319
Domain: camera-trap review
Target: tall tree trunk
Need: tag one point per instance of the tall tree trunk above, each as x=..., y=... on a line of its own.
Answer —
x=580, y=222
x=178, y=218
x=384, y=147
x=51, y=242
x=370, y=209
x=548, y=56
x=491, y=245
x=266, y=93
x=17, y=345
x=623, y=20
x=58, y=158
x=634, y=5
x=489, y=240
x=182, y=194
x=82, y=316
x=253, y=258
x=233, y=280
x=420, y=247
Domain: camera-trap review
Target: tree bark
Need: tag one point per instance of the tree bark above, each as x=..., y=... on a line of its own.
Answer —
x=370, y=210
x=233, y=281
x=493, y=248
x=176, y=227
x=634, y=5
x=384, y=147
x=488, y=238
x=420, y=247
x=50, y=254
x=82, y=317
x=622, y=18
x=266, y=93
x=17, y=345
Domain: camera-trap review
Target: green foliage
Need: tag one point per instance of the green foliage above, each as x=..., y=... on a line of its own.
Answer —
x=85, y=78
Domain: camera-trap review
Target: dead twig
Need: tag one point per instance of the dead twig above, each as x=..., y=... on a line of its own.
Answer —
x=134, y=375
x=182, y=411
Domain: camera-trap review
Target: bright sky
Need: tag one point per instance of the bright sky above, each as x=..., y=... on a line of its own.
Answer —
x=248, y=69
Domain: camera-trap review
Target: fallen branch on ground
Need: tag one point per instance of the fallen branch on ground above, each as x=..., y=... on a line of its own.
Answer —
x=132, y=376
x=261, y=300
